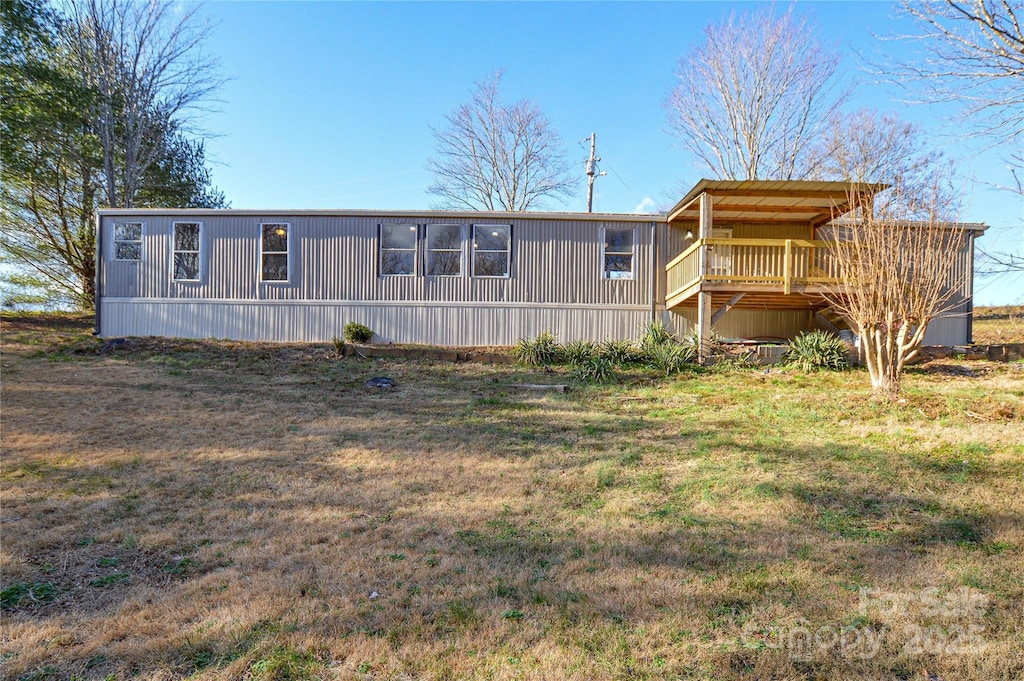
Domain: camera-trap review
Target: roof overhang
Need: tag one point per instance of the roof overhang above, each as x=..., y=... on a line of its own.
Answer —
x=811, y=201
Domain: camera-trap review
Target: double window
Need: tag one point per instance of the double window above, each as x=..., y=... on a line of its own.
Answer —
x=187, y=245
x=274, y=243
x=128, y=241
x=619, y=245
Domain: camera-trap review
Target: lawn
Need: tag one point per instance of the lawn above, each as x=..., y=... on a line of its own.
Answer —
x=219, y=510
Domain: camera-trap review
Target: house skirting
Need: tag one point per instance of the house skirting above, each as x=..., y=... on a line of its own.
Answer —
x=432, y=323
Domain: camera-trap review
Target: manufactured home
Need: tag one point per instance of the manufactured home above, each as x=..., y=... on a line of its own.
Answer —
x=747, y=259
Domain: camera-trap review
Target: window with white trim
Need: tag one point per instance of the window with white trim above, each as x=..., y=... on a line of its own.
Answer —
x=274, y=243
x=128, y=241
x=492, y=250
x=187, y=244
x=444, y=250
x=618, y=252
x=398, y=250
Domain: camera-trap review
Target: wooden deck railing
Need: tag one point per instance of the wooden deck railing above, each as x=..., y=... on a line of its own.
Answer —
x=785, y=262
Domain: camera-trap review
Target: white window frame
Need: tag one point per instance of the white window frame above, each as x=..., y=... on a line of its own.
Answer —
x=508, y=251
x=115, y=241
x=428, y=251
x=415, y=249
x=287, y=253
x=199, y=252
x=605, y=274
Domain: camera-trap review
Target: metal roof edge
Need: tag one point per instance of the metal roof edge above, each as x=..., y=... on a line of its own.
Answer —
x=967, y=226
x=373, y=213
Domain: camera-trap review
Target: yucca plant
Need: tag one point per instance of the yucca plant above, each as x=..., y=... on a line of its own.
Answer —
x=540, y=351
x=619, y=352
x=594, y=368
x=670, y=358
x=655, y=334
x=579, y=351
x=817, y=351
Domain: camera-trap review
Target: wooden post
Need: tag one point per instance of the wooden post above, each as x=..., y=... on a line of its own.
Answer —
x=788, y=276
x=703, y=323
x=704, y=299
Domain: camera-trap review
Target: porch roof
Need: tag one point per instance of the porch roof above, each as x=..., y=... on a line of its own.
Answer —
x=811, y=201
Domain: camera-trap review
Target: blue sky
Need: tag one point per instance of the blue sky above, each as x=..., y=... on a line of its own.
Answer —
x=330, y=104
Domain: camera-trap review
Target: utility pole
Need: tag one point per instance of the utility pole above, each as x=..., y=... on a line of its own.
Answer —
x=592, y=173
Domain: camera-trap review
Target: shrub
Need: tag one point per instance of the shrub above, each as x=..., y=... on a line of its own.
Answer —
x=594, y=368
x=541, y=351
x=817, y=351
x=579, y=351
x=357, y=333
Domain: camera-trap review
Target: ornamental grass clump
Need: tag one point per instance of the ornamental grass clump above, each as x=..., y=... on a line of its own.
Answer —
x=817, y=351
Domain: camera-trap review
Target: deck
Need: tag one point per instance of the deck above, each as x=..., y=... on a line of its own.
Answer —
x=752, y=273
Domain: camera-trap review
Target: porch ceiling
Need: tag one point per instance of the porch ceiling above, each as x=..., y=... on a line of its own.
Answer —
x=774, y=200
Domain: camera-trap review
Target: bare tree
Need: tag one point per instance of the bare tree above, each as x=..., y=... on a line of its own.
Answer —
x=145, y=61
x=868, y=146
x=972, y=52
x=496, y=156
x=901, y=266
x=754, y=95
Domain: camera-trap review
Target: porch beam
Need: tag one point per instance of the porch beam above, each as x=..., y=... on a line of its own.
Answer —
x=766, y=208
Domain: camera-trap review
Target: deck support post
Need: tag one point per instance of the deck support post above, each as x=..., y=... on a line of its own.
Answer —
x=704, y=299
x=703, y=324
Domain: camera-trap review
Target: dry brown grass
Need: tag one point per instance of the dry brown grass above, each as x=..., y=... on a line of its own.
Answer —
x=998, y=325
x=218, y=510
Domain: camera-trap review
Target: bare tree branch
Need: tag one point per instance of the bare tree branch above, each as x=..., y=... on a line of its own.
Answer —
x=972, y=53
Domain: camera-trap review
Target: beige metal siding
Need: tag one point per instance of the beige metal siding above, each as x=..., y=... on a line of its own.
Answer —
x=335, y=258
x=738, y=324
x=556, y=284
x=409, y=322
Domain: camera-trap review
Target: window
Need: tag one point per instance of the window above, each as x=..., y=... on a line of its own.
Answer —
x=128, y=241
x=444, y=250
x=618, y=253
x=274, y=251
x=398, y=249
x=492, y=248
x=186, y=251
